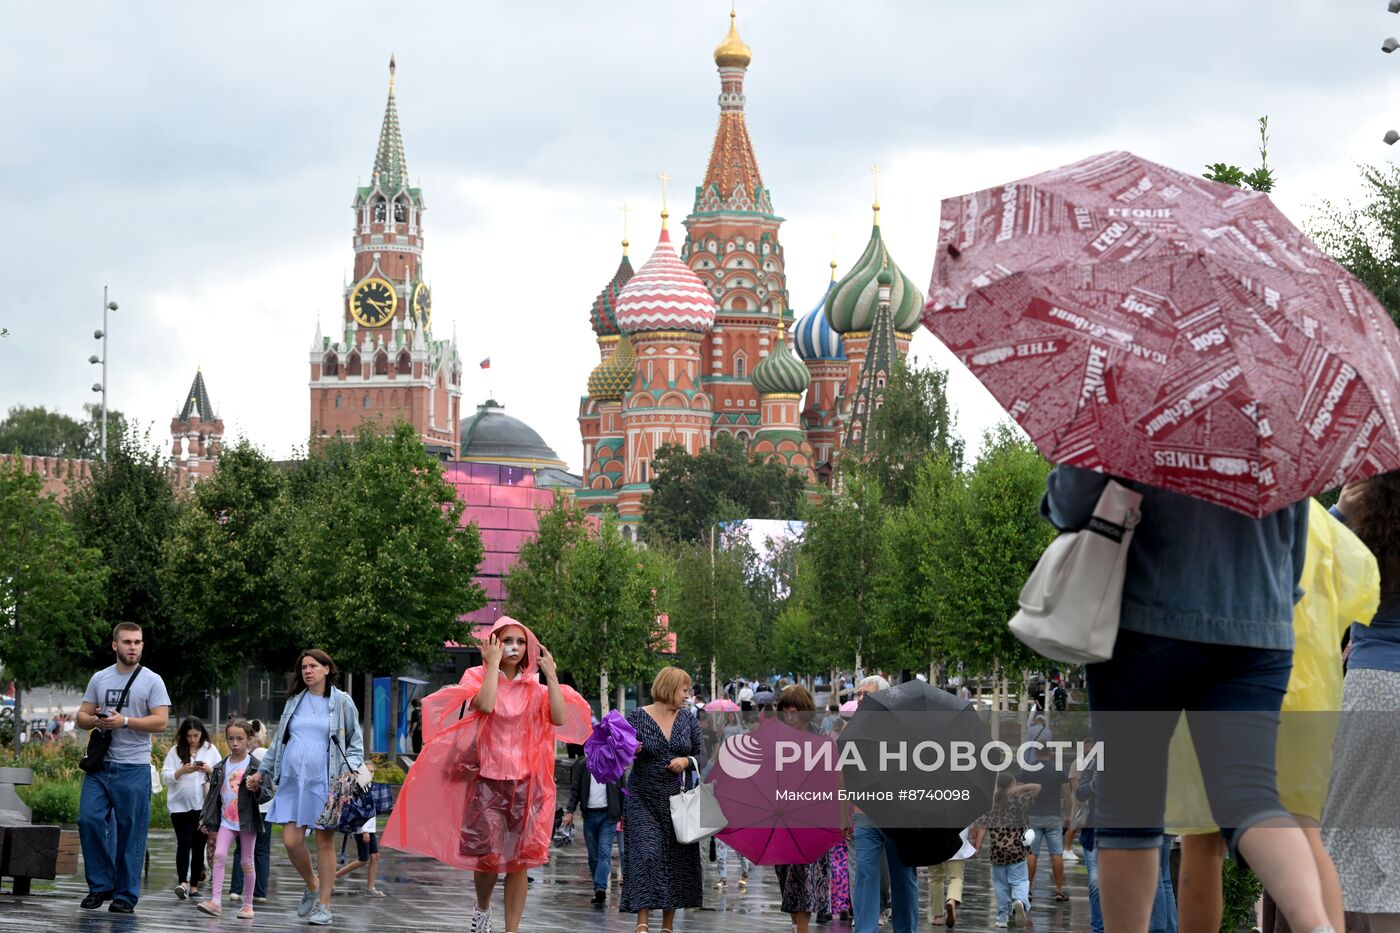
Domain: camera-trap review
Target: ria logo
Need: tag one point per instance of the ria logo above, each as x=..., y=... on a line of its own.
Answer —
x=740, y=756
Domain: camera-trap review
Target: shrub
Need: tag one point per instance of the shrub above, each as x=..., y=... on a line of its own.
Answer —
x=53, y=801
x=1241, y=891
x=388, y=774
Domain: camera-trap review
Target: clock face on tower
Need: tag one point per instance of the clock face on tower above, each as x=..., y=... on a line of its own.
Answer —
x=422, y=305
x=373, y=302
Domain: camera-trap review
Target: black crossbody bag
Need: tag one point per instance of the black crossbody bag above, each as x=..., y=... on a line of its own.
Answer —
x=100, y=740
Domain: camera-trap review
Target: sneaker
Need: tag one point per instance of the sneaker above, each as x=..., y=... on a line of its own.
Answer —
x=481, y=921
x=321, y=916
x=235, y=897
x=719, y=885
x=307, y=904
x=121, y=907
x=246, y=913
x=1018, y=914
x=94, y=901
x=374, y=892
x=600, y=896
x=210, y=908
x=1069, y=856
x=182, y=891
x=1001, y=924
x=259, y=900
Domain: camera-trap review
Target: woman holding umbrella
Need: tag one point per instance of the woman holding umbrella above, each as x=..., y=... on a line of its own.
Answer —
x=659, y=873
x=806, y=889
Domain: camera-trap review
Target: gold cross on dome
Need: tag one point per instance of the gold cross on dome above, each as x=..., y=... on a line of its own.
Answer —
x=665, y=180
x=625, y=211
x=875, y=170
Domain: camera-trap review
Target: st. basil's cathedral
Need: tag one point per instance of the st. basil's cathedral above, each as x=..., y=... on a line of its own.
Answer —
x=705, y=342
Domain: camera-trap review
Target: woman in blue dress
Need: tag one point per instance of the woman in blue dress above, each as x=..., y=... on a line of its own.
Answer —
x=319, y=725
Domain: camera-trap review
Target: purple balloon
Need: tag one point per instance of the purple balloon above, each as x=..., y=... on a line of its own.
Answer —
x=611, y=748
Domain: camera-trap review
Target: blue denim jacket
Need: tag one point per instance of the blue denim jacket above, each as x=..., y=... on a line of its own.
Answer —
x=344, y=722
x=1196, y=571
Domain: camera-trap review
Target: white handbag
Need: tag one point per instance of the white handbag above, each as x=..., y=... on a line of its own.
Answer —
x=695, y=813
x=1071, y=603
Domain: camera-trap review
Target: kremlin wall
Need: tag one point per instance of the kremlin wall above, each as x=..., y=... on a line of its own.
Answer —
x=701, y=340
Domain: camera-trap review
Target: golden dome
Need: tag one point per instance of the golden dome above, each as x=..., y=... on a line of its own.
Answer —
x=733, y=52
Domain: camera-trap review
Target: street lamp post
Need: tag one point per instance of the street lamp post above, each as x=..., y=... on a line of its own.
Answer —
x=102, y=386
x=1390, y=45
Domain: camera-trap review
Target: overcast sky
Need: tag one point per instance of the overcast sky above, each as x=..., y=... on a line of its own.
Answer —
x=202, y=160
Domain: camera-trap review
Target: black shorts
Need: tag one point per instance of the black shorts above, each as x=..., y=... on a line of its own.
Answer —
x=366, y=849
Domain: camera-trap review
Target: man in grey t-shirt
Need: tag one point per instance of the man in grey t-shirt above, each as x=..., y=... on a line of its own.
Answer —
x=119, y=792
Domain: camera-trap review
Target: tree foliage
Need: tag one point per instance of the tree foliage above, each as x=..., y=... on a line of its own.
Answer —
x=1365, y=238
x=1260, y=179
x=127, y=510
x=51, y=588
x=690, y=493
x=913, y=424
x=713, y=613
x=375, y=557
x=591, y=597
x=39, y=432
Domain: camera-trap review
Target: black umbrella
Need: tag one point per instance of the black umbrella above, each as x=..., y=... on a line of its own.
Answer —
x=917, y=761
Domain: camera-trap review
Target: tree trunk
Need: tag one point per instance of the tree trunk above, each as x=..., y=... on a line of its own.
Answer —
x=622, y=697
x=602, y=693
x=393, y=718
x=996, y=699
x=713, y=685
x=244, y=700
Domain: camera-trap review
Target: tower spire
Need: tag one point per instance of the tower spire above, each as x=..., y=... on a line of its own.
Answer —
x=665, y=213
x=625, y=211
x=390, y=163
x=875, y=206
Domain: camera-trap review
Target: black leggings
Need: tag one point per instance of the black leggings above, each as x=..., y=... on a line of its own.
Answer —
x=189, y=847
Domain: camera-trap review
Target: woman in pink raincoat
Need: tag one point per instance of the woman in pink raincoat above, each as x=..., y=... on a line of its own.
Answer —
x=481, y=794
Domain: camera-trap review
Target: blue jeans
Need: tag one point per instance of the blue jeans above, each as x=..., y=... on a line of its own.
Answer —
x=1231, y=694
x=598, y=833
x=262, y=862
x=119, y=797
x=1164, y=904
x=865, y=890
x=1012, y=883
x=1091, y=862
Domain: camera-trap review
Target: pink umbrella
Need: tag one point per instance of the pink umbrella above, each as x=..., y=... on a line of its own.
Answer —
x=779, y=812
x=721, y=706
x=848, y=708
x=1153, y=325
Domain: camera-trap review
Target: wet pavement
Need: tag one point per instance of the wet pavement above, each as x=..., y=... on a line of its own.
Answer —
x=426, y=896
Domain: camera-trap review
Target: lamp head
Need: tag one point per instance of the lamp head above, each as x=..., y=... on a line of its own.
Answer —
x=94, y=359
x=98, y=334
x=1391, y=137
x=1394, y=6
x=111, y=306
x=97, y=387
x=1390, y=44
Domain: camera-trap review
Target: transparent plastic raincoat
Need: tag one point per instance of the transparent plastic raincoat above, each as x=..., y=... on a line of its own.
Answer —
x=1341, y=583
x=480, y=796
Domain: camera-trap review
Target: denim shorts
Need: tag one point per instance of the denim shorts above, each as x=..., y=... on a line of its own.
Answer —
x=365, y=849
x=1231, y=695
x=1050, y=829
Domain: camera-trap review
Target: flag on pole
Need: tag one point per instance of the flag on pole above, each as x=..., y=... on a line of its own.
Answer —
x=486, y=363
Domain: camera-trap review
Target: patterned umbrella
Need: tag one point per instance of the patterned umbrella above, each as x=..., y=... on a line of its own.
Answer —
x=1157, y=326
x=611, y=747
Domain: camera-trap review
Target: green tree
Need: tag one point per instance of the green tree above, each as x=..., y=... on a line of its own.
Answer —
x=377, y=559
x=796, y=647
x=221, y=572
x=50, y=589
x=39, y=432
x=690, y=493
x=914, y=423
x=844, y=550
x=1261, y=179
x=127, y=510
x=602, y=608
x=712, y=614
x=1365, y=238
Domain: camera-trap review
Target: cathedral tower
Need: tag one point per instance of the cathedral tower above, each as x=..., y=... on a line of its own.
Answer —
x=732, y=245
x=196, y=431
x=381, y=363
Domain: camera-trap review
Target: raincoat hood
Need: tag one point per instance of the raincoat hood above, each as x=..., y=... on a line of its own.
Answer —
x=531, y=667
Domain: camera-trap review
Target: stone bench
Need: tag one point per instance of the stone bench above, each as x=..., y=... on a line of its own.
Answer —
x=28, y=851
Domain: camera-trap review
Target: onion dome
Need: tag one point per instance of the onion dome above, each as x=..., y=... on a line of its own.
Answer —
x=665, y=295
x=611, y=378
x=604, y=313
x=733, y=52
x=780, y=373
x=813, y=338
x=850, y=305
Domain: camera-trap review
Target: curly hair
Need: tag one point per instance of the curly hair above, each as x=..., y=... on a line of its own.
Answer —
x=1375, y=517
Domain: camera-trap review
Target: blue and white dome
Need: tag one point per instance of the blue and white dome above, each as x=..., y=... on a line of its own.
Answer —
x=813, y=338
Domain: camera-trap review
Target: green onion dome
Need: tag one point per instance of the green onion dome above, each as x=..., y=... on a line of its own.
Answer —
x=851, y=304
x=603, y=314
x=611, y=378
x=780, y=372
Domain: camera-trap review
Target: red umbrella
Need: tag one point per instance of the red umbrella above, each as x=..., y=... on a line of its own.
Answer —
x=1157, y=326
x=779, y=812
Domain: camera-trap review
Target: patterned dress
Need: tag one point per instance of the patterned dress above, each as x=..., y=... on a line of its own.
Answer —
x=806, y=888
x=659, y=873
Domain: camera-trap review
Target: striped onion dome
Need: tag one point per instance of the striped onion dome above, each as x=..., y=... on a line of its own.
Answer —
x=780, y=373
x=611, y=378
x=813, y=338
x=850, y=305
x=604, y=311
x=665, y=295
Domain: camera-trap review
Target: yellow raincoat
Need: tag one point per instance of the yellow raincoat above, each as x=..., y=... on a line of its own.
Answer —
x=1342, y=582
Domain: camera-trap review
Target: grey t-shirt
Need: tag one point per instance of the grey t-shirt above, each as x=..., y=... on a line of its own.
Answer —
x=129, y=747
